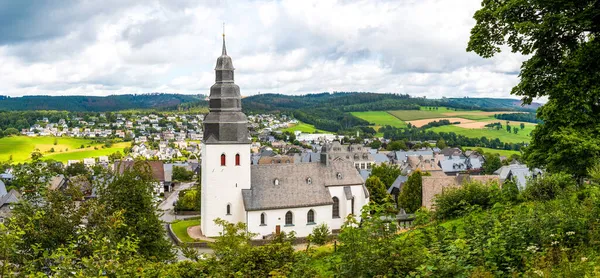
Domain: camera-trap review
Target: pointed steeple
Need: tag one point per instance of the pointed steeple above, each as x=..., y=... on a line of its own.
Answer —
x=224, y=53
x=225, y=123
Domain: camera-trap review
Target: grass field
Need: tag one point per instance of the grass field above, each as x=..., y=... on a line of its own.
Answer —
x=180, y=228
x=303, y=127
x=503, y=135
x=20, y=147
x=495, y=151
x=411, y=115
x=81, y=154
x=380, y=118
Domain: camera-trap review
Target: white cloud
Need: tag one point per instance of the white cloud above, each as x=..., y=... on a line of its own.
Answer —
x=293, y=47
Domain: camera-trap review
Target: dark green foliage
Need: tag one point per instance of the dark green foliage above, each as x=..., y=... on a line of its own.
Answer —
x=411, y=196
x=492, y=163
x=437, y=123
x=397, y=145
x=76, y=169
x=441, y=143
x=376, y=144
x=132, y=192
x=189, y=200
x=233, y=253
x=560, y=39
x=518, y=117
x=451, y=139
x=386, y=173
x=182, y=174
x=549, y=186
x=454, y=202
x=320, y=234
x=377, y=190
x=96, y=104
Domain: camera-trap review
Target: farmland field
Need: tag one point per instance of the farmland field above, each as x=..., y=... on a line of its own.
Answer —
x=20, y=148
x=303, y=127
x=503, y=135
x=380, y=118
x=506, y=153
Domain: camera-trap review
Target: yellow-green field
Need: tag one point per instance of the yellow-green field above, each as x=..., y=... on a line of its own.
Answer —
x=303, y=127
x=523, y=135
x=379, y=118
x=506, y=153
x=66, y=148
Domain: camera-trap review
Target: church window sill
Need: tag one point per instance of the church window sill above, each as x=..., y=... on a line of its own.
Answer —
x=289, y=225
x=311, y=223
x=263, y=225
x=228, y=214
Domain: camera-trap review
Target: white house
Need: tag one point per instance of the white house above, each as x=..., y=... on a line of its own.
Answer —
x=273, y=197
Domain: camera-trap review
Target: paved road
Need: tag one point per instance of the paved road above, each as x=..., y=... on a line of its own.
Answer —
x=167, y=205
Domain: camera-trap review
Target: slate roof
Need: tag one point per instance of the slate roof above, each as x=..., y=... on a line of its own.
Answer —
x=456, y=164
x=293, y=189
x=519, y=172
x=2, y=189
x=400, y=180
x=348, y=192
x=365, y=173
x=157, y=168
x=381, y=158
x=12, y=197
x=402, y=155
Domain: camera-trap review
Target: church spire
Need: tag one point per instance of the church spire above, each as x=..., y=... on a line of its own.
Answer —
x=224, y=53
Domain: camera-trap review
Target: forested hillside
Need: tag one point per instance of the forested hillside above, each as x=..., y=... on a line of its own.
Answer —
x=95, y=104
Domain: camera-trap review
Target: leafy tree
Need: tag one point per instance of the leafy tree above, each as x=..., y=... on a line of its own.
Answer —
x=386, y=173
x=397, y=146
x=36, y=155
x=377, y=190
x=560, y=39
x=522, y=126
x=189, y=200
x=441, y=143
x=376, y=144
x=133, y=192
x=549, y=187
x=11, y=131
x=491, y=164
x=181, y=174
x=320, y=234
x=411, y=196
x=76, y=169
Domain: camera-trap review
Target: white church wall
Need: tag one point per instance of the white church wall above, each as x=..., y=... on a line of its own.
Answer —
x=345, y=205
x=222, y=185
x=277, y=217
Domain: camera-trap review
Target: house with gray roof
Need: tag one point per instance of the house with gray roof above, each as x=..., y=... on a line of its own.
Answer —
x=7, y=201
x=460, y=164
x=519, y=173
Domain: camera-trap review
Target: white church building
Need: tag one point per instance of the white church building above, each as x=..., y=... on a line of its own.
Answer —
x=273, y=197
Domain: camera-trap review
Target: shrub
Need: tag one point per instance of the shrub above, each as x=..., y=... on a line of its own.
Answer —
x=455, y=202
x=320, y=234
x=548, y=187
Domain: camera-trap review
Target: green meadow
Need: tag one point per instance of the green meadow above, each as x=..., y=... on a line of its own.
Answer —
x=304, y=128
x=503, y=135
x=21, y=147
x=379, y=118
x=506, y=153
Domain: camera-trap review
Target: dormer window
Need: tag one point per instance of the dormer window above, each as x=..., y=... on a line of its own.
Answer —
x=339, y=176
x=309, y=181
x=276, y=181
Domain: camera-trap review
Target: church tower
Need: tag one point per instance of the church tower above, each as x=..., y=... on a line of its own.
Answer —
x=225, y=151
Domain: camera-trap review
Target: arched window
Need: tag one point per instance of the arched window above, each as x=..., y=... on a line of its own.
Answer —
x=289, y=218
x=310, y=217
x=222, y=159
x=335, y=213
x=352, y=204
x=263, y=219
x=228, y=209
x=276, y=181
x=237, y=159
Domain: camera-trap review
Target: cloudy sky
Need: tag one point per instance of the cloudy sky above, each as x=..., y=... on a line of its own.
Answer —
x=293, y=47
